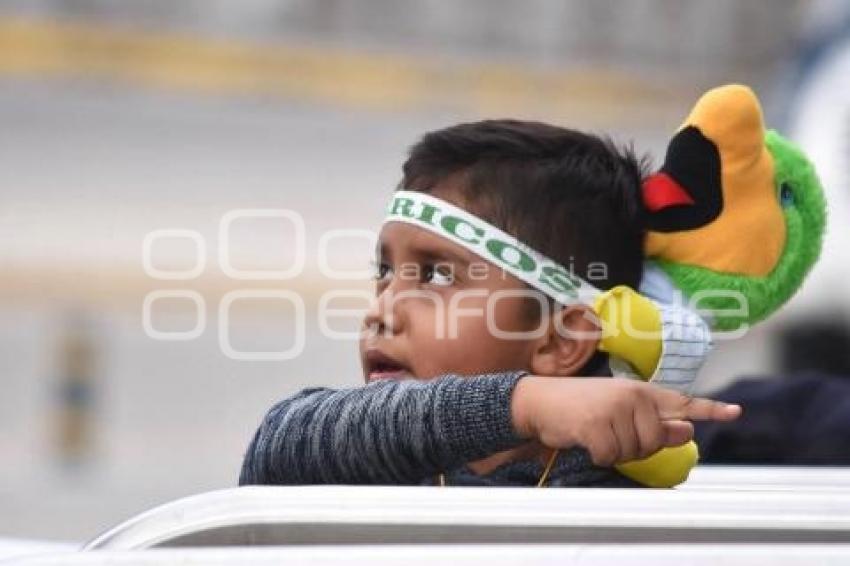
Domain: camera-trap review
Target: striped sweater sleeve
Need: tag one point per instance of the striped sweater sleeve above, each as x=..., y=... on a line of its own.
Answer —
x=386, y=432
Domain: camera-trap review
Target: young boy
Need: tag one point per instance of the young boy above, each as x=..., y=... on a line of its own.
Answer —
x=454, y=397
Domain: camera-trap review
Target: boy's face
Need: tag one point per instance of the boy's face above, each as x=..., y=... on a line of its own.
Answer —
x=442, y=309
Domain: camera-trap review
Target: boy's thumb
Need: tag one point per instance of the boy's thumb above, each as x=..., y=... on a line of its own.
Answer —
x=677, y=432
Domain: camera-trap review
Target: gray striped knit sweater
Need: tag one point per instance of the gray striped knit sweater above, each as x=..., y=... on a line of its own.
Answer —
x=404, y=433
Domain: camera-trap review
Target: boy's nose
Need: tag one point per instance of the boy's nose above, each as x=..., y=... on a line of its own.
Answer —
x=381, y=317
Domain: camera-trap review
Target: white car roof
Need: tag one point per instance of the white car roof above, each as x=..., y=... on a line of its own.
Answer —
x=432, y=515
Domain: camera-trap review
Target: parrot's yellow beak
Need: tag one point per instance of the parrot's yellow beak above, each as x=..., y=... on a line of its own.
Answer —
x=748, y=235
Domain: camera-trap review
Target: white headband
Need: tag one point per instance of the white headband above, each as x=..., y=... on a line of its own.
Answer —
x=490, y=243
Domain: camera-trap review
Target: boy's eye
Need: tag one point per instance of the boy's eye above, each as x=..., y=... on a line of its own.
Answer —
x=440, y=275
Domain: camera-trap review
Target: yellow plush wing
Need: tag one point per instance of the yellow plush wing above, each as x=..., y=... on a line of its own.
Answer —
x=631, y=331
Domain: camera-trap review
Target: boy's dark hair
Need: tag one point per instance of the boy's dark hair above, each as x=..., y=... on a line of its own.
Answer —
x=572, y=196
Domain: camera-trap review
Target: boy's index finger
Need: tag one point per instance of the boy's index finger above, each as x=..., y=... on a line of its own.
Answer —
x=673, y=405
x=701, y=409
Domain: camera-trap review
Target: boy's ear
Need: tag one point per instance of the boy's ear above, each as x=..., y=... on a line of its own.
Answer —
x=569, y=343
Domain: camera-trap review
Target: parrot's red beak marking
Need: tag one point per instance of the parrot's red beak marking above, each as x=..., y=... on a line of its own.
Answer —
x=661, y=191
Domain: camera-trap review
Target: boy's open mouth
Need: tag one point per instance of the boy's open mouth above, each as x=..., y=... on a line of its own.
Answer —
x=381, y=366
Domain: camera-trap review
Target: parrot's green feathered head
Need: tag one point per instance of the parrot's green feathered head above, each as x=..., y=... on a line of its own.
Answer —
x=736, y=213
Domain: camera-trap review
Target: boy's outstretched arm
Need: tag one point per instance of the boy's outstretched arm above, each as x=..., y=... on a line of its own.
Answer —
x=387, y=432
x=399, y=432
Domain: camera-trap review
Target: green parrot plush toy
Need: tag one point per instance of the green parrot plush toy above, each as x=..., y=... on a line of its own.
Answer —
x=735, y=220
x=736, y=214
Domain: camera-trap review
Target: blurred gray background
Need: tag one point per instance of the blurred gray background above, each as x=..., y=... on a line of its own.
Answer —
x=121, y=118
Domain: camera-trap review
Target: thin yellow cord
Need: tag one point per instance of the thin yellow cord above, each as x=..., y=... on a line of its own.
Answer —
x=549, y=465
x=540, y=482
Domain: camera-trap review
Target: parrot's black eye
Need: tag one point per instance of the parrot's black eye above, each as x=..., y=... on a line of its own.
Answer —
x=786, y=195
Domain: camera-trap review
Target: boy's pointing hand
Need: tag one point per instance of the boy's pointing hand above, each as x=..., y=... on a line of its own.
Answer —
x=616, y=420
